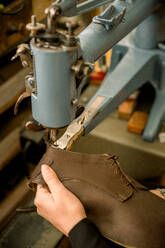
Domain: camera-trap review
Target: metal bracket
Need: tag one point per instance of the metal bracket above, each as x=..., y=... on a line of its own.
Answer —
x=72, y=133
x=111, y=17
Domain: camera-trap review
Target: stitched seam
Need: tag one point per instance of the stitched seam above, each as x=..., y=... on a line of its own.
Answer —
x=123, y=174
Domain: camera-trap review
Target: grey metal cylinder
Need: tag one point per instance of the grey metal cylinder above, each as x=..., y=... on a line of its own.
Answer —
x=51, y=104
x=95, y=40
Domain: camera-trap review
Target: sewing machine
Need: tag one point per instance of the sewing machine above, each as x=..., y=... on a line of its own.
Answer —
x=61, y=62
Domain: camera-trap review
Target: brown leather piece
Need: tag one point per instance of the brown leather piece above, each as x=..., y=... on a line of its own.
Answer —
x=122, y=209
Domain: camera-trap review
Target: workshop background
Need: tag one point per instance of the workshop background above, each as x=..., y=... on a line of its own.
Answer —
x=20, y=149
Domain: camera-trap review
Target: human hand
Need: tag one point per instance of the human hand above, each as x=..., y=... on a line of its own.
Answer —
x=58, y=205
x=158, y=193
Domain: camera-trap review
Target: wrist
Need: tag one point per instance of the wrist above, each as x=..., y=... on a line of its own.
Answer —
x=75, y=222
x=76, y=226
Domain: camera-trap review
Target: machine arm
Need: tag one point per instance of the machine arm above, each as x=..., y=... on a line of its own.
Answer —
x=113, y=91
x=95, y=40
x=120, y=18
x=72, y=8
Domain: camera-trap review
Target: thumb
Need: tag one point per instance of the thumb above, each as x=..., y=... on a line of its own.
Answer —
x=51, y=179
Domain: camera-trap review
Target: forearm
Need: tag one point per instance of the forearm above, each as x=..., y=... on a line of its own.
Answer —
x=85, y=234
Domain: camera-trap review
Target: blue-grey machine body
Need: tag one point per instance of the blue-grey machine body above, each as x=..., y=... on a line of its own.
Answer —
x=55, y=81
x=55, y=85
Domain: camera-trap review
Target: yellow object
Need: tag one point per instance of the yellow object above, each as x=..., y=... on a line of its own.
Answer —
x=1, y=6
x=137, y=122
x=108, y=61
x=126, y=109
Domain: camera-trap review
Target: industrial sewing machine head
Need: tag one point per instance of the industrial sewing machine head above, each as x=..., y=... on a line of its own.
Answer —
x=58, y=72
x=61, y=63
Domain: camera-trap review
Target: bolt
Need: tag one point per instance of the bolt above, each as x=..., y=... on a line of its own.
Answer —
x=87, y=70
x=34, y=20
x=46, y=11
x=75, y=101
x=32, y=83
x=25, y=63
x=162, y=137
x=39, y=45
x=53, y=12
x=69, y=26
x=46, y=45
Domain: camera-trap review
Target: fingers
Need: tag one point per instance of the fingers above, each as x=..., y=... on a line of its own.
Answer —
x=51, y=179
x=158, y=193
x=42, y=189
x=42, y=195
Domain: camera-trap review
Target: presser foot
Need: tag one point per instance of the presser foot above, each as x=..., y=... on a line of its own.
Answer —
x=50, y=134
x=72, y=133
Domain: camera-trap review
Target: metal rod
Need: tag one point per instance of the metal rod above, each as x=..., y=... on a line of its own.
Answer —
x=90, y=5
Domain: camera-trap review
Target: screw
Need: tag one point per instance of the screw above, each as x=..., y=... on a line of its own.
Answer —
x=75, y=101
x=46, y=11
x=69, y=25
x=34, y=20
x=25, y=63
x=87, y=70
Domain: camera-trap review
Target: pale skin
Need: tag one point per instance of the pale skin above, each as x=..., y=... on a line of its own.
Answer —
x=58, y=205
